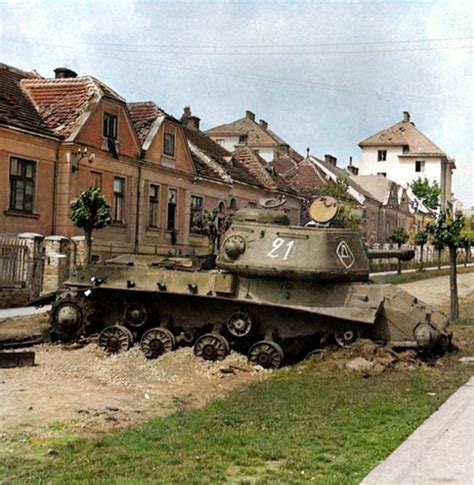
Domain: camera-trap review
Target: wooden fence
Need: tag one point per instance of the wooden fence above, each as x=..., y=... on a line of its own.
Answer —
x=14, y=262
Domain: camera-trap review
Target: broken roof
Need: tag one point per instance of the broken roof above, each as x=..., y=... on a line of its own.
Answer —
x=65, y=104
x=16, y=109
x=404, y=133
x=306, y=178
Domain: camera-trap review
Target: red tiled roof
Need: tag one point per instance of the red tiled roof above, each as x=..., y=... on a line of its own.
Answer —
x=16, y=108
x=62, y=103
x=283, y=164
x=143, y=115
x=306, y=179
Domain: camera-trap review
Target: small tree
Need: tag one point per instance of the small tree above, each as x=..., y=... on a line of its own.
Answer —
x=428, y=193
x=421, y=239
x=90, y=211
x=447, y=229
x=344, y=219
x=466, y=244
x=399, y=237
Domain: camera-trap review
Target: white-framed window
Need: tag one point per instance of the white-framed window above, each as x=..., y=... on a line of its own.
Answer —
x=420, y=166
x=381, y=155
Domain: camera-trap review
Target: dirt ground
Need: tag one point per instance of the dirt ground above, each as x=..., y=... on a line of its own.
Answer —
x=91, y=391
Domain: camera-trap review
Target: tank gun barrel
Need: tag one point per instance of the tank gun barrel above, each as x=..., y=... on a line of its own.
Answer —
x=401, y=254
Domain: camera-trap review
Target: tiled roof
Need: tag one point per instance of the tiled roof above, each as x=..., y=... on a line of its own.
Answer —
x=256, y=166
x=404, y=133
x=143, y=115
x=306, y=178
x=213, y=161
x=283, y=164
x=256, y=135
x=16, y=108
x=64, y=104
x=337, y=172
x=378, y=185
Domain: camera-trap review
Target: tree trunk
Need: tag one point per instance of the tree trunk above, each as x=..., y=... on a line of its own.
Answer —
x=88, y=237
x=421, y=257
x=399, y=262
x=453, y=284
x=465, y=256
x=439, y=258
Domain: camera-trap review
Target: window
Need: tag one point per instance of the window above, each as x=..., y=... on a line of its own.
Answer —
x=154, y=195
x=419, y=166
x=96, y=179
x=406, y=148
x=221, y=207
x=233, y=204
x=22, y=184
x=383, y=174
x=172, y=201
x=382, y=155
x=168, y=148
x=119, y=194
x=252, y=204
x=110, y=126
x=196, y=207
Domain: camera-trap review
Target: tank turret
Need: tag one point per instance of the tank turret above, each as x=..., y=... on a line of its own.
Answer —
x=256, y=244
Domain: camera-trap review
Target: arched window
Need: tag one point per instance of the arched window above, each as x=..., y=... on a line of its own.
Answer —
x=221, y=207
x=233, y=204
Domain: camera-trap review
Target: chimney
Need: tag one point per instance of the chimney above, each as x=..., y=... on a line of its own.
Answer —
x=263, y=124
x=64, y=73
x=406, y=116
x=353, y=170
x=193, y=122
x=330, y=159
x=250, y=115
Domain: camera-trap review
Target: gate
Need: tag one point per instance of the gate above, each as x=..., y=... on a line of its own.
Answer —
x=14, y=263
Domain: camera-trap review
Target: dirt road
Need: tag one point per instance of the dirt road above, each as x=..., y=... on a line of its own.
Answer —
x=93, y=391
x=435, y=291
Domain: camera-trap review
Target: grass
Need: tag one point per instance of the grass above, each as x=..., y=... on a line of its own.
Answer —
x=312, y=422
x=417, y=275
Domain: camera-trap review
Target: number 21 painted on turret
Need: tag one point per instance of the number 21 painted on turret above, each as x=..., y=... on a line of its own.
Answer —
x=278, y=244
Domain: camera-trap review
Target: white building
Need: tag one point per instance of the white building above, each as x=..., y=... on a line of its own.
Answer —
x=402, y=153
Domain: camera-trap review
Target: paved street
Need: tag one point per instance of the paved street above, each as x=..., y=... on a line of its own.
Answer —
x=23, y=311
x=440, y=451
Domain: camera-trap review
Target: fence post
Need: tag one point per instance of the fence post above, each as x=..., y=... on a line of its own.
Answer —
x=35, y=262
x=56, y=268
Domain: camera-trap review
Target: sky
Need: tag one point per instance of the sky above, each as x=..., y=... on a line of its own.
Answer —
x=323, y=74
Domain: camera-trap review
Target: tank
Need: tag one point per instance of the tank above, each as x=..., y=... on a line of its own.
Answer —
x=275, y=292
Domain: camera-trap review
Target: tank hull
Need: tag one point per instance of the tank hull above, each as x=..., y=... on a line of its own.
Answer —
x=296, y=314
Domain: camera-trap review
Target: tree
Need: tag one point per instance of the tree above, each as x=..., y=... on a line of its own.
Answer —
x=338, y=189
x=90, y=211
x=428, y=193
x=421, y=239
x=399, y=237
x=466, y=244
x=447, y=229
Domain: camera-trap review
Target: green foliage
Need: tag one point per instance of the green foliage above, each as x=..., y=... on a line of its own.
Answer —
x=447, y=230
x=399, y=236
x=344, y=219
x=466, y=241
x=90, y=210
x=204, y=222
x=421, y=238
x=337, y=189
x=428, y=193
